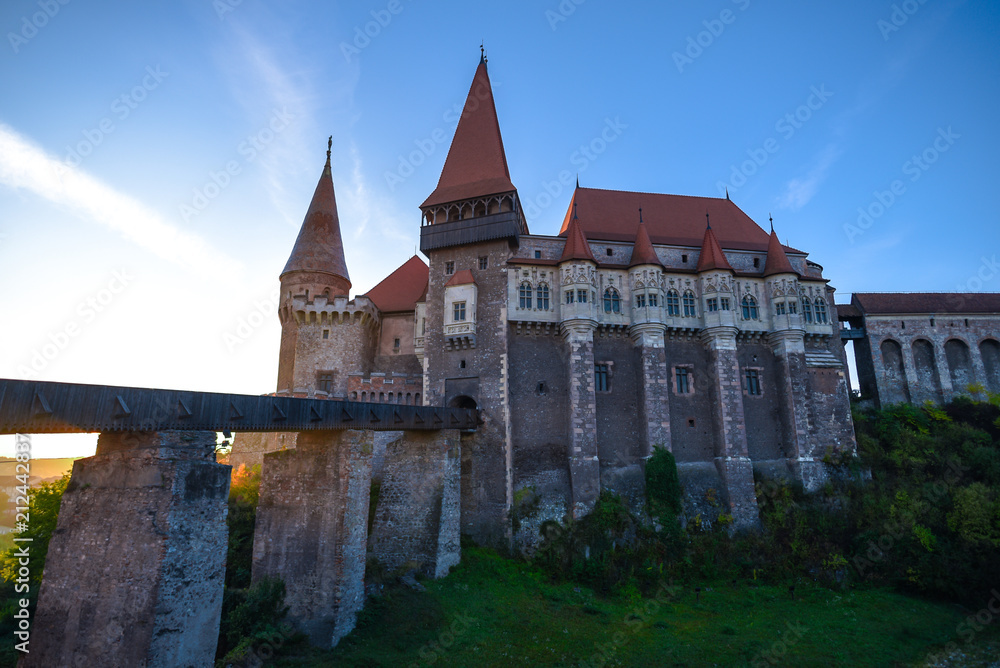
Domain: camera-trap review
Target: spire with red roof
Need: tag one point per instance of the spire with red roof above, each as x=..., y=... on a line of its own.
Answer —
x=576, y=247
x=777, y=260
x=642, y=251
x=712, y=256
x=319, y=248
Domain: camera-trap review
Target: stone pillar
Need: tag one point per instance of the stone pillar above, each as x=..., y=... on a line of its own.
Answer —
x=944, y=371
x=417, y=520
x=654, y=388
x=136, y=566
x=584, y=466
x=789, y=351
x=731, y=455
x=312, y=529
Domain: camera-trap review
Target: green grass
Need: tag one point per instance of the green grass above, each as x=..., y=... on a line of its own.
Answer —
x=493, y=611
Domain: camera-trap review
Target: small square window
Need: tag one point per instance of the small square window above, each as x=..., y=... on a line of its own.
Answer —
x=610, y=252
x=569, y=296
x=713, y=304
x=538, y=255
x=581, y=296
x=459, y=311
x=395, y=344
x=449, y=268
x=484, y=262
x=324, y=381
x=724, y=303
x=756, y=262
x=461, y=364
x=326, y=333
x=684, y=258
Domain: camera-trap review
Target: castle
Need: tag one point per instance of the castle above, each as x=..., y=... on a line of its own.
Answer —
x=649, y=320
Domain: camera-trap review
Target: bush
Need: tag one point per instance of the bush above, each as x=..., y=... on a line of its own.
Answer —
x=663, y=487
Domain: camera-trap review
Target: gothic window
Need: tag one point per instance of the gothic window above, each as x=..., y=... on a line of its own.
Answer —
x=524, y=294
x=821, y=310
x=753, y=381
x=543, y=297
x=689, y=310
x=724, y=303
x=713, y=304
x=807, y=311
x=684, y=379
x=652, y=299
x=569, y=296
x=324, y=381
x=612, y=301
x=640, y=301
x=459, y=311
x=673, y=303
x=750, y=310
x=581, y=296
x=602, y=378
x=779, y=308
x=484, y=262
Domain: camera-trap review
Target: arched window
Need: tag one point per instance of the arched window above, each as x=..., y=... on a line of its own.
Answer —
x=750, y=311
x=525, y=295
x=689, y=311
x=807, y=311
x=612, y=301
x=543, y=297
x=820, y=310
x=673, y=303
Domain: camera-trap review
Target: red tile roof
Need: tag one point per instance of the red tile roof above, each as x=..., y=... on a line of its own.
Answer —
x=462, y=277
x=777, y=261
x=476, y=164
x=642, y=252
x=403, y=288
x=576, y=247
x=873, y=303
x=711, y=256
x=319, y=246
x=670, y=219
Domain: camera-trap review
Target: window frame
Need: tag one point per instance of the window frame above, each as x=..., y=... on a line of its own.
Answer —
x=458, y=308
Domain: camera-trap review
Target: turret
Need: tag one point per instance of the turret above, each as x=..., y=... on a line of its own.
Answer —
x=577, y=269
x=782, y=286
x=715, y=276
x=646, y=280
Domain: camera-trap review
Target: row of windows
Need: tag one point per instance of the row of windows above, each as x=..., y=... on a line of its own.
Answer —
x=674, y=303
x=683, y=379
x=449, y=266
x=408, y=399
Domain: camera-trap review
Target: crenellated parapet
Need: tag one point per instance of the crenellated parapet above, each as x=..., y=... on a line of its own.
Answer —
x=322, y=310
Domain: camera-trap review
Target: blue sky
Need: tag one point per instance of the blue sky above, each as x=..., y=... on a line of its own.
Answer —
x=156, y=159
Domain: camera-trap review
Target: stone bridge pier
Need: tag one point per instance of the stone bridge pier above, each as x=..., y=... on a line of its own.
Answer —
x=313, y=517
x=136, y=566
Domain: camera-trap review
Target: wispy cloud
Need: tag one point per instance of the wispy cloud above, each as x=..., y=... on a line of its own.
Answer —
x=26, y=166
x=800, y=190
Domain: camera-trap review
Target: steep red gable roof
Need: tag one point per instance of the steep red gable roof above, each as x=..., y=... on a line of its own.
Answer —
x=670, y=219
x=873, y=303
x=777, y=261
x=403, y=288
x=643, y=252
x=476, y=164
x=319, y=246
x=711, y=256
x=462, y=277
x=576, y=247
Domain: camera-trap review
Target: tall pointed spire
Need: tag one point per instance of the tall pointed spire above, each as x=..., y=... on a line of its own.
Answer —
x=777, y=261
x=476, y=165
x=319, y=247
x=712, y=256
x=642, y=251
x=576, y=247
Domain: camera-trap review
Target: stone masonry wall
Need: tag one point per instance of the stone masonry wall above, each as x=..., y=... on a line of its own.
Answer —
x=136, y=566
x=417, y=521
x=312, y=529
